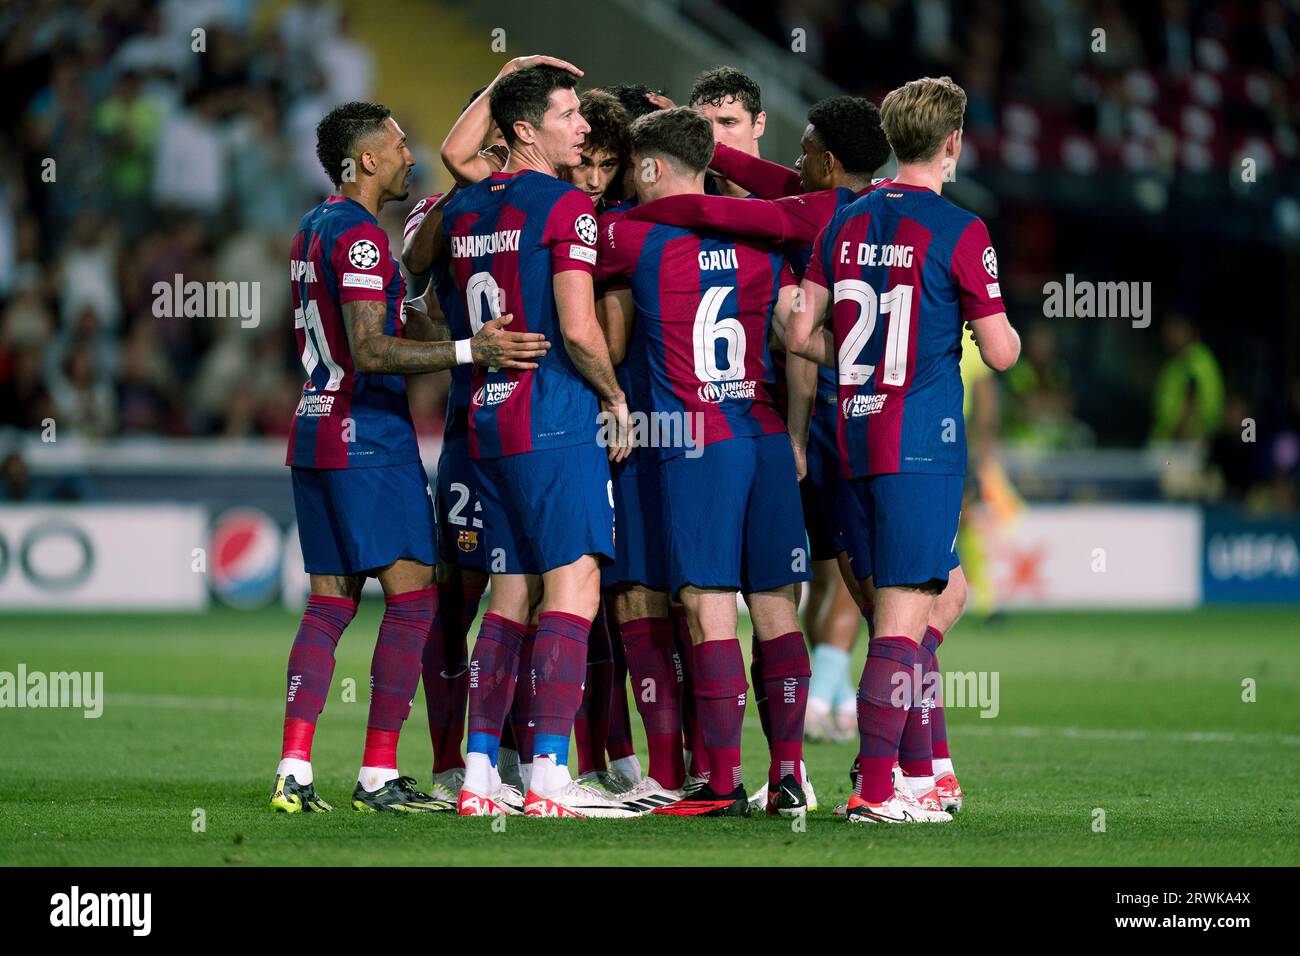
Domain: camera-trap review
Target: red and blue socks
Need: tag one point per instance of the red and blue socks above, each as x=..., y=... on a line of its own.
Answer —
x=942, y=759
x=446, y=672
x=394, y=677
x=784, y=671
x=882, y=713
x=656, y=686
x=914, y=754
x=591, y=724
x=493, y=668
x=521, y=708
x=719, y=676
x=559, y=665
x=760, y=690
x=618, y=744
x=311, y=667
x=692, y=741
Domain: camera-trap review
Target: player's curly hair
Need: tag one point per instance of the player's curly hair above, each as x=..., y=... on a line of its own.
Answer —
x=608, y=121
x=679, y=134
x=849, y=128
x=715, y=85
x=524, y=95
x=342, y=130
x=633, y=98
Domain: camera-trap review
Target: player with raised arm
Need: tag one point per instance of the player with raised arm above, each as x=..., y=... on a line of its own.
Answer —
x=362, y=498
x=523, y=240
x=602, y=723
x=462, y=568
x=897, y=272
x=704, y=305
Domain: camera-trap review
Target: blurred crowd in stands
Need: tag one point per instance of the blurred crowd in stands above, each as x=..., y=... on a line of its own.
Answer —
x=1083, y=83
x=133, y=150
x=173, y=154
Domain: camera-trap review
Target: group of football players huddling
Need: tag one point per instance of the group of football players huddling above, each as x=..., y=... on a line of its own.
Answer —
x=679, y=373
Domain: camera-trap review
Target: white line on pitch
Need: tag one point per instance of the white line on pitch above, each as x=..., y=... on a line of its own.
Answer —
x=979, y=729
x=1090, y=733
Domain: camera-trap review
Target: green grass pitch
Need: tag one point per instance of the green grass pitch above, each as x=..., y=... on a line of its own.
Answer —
x=1138, y=715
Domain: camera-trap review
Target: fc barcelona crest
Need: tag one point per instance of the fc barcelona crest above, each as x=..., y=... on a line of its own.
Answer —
x=467, y=540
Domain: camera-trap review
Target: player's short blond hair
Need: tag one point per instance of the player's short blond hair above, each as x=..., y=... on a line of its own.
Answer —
x=918, y=116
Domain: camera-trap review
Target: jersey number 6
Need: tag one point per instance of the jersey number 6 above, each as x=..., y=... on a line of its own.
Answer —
x=709, y=328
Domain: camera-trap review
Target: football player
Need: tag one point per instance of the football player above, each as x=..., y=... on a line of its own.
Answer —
x=462, y=570
x=703, y=305
x=522, y=239
x=896, y=273
x=362, y=499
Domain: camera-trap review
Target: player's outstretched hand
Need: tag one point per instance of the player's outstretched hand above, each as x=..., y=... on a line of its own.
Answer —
x=537, y=59
x=618, y=436
x=660, y=101
x=495, y=347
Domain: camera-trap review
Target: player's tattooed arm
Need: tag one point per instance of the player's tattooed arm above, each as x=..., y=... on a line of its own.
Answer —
x=494, y=347
x=424, y=319
x=466, y=152
x=587, y=349
x=802, y=312
x=375, y=352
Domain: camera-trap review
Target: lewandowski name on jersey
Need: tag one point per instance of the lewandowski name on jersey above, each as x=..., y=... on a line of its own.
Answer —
x=509, y=235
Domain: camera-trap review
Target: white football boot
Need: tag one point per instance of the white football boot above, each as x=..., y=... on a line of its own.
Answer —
x=892, y=810
x=552, y=793
x=920, y=797
x=482, y=793
x=648, y=794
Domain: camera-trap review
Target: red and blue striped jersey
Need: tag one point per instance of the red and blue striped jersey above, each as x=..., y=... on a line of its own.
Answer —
x=810, y=212
x=905, y=268
x=508, y=236
x=704, y=306
x=455, y=432
x=796, y=220
x=345, y=419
